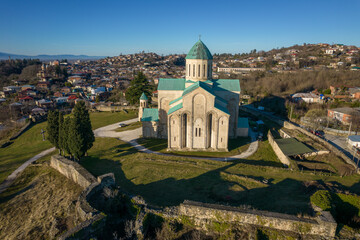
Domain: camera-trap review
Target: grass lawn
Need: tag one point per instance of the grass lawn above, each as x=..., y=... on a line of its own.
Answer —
x=168, y=181
x=30, y=142
x=23, y=148
x=236, y=146
x=101, y=119
x=131, y=126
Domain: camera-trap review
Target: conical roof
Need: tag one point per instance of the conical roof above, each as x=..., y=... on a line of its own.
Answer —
x=199, y=51
x=143, y=97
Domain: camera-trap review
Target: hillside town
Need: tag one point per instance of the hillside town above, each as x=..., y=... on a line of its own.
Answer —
x=60, y=84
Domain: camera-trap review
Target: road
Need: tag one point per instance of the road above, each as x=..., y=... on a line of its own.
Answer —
x=340, y=143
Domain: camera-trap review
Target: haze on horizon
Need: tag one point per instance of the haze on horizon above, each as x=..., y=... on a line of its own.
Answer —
x=108, y=28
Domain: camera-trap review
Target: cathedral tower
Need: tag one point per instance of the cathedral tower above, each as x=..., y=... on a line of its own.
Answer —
x=143, y=104
x=199, y=63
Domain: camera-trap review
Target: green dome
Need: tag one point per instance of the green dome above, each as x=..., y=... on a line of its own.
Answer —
x=143, y=97
x=199, y=51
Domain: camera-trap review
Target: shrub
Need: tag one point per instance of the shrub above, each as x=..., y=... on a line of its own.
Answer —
x=322, y=199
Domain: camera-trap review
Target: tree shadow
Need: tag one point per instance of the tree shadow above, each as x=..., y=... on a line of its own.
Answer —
x=287, y=196
x=8, y=197
x=273, y=104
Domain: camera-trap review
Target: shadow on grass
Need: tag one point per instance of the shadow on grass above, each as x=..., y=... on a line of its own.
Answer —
x=287, y=196
x=16, y=193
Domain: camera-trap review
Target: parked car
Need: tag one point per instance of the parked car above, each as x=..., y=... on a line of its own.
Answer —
x=122, y=125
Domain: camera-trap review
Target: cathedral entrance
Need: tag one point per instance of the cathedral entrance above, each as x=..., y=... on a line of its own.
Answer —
x=184, y=131
x=209, y=131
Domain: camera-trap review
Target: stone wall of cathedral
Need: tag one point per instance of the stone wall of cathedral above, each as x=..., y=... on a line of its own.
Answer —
x=198, y=125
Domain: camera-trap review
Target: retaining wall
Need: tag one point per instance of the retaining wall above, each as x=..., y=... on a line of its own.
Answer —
x=290, y=125
x=93, y=219
x=206, y=216
x=281, y=156
x=330, y=130
x=23, y=129
x=329, y=146
x=104, y=108
x=72, y=170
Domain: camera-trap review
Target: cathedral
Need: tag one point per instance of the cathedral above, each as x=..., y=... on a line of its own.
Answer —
x=195, y=113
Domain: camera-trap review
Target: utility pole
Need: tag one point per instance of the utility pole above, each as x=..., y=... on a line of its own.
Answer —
x=327, y=125
x=349, y=128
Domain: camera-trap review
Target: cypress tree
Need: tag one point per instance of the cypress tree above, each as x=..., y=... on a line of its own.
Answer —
x=65, y=135
x=81, y=136
x=137, y=86
x=53, y=128
x=62, y=133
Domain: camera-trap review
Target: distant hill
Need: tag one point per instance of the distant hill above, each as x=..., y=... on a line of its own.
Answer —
x=5, y=56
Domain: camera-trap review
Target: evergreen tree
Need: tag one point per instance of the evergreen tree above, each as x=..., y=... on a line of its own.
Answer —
x=137, y=86
x=62, y=133
x=53, y=128
x=64, y=136
x=81, y=136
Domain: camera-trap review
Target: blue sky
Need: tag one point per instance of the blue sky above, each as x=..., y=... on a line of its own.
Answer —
x=108, y=28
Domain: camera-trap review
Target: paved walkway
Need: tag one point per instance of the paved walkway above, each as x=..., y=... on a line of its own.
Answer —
x=130, y=137
x=11, y=178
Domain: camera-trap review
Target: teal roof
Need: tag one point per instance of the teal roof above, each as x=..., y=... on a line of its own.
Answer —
x=196, y=85
x=199, y=51
x=175, y=108
x=143, y=97
x=150, y=115
x=175, y=100
x=221, y=108
x=243, y=122
x=175, y=84
x=226, y=84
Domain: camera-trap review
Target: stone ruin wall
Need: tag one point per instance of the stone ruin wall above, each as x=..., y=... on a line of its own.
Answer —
x=202, y=214
x=205, y=215
x=91, y=185
x=281, y=156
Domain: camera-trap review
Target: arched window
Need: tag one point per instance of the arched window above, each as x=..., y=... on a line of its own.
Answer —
x=189, y=69
x=199, y=71
x=194, y=70
x=204, y=71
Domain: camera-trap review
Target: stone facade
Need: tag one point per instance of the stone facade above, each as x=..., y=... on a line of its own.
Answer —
x=196, y=113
